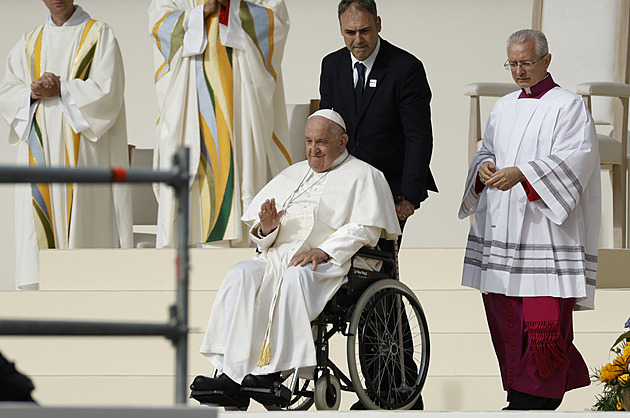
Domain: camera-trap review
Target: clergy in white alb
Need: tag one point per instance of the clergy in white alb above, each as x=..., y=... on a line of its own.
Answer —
x=62, y=95
x=220, y=93
x=534, y=188
x=307, y=224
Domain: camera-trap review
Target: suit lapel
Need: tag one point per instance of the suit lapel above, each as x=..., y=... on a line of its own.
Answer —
x=374, y=80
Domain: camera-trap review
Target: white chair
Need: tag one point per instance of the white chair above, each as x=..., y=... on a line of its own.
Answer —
x=589, y=45
x=145, y=205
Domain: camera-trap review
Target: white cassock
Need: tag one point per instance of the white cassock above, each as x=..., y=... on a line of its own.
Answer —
x=93, y=108
x=338, y=211
x=546, y=247
x=220, y=93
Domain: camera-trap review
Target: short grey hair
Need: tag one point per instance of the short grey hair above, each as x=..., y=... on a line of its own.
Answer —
x=523, y=35
x=368, y=5
x=336, y=130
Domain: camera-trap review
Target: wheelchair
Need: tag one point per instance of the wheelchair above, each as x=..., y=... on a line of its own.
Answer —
x=387, y=339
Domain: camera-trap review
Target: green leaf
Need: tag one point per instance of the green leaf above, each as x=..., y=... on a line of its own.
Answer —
x=620, y=339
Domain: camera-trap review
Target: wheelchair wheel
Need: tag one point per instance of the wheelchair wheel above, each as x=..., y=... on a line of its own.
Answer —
x=301, y=400
x=327, y=393
x=388, y=346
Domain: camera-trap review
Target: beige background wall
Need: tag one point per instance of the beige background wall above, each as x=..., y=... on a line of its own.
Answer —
x=459, y=41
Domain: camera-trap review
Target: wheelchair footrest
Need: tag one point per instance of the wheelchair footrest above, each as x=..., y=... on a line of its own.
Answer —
x=266, y=396
x=220, y=398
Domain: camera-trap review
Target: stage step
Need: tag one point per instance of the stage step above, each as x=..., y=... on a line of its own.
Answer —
x=30, y=411
x=17, y=411
x=138, y=285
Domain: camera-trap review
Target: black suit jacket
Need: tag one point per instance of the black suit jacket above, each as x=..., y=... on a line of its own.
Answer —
x=392, y=128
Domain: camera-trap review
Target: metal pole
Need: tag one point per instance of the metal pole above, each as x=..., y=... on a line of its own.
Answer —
x=181, y=162
x=177, y=328
x=20, y=327
x=13, y=174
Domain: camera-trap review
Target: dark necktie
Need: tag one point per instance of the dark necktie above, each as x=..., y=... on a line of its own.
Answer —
x=358, y=88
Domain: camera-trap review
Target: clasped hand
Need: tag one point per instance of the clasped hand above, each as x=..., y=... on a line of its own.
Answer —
x=48, y=85
x=503, y=179
x=212, y=5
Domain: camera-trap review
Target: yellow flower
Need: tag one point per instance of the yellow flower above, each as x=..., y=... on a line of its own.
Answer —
x=619, y=405
x=610, y=371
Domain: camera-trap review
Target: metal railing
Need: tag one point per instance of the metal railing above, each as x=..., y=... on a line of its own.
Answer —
x=176, y=329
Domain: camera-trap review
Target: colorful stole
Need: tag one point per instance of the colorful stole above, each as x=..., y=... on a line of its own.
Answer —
x=216, y=107
x=258, y=23
x=42, y=205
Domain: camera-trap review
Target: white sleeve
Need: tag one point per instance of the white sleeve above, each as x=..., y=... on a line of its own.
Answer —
x=233, y=35
x=262, y=242
x=347, y=240
x=195, y=39
x=71, y=111
x=24, y=118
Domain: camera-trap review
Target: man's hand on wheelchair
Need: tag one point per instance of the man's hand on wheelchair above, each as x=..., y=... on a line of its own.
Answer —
x=314, y=256
x=404, y=209
x=269, y=216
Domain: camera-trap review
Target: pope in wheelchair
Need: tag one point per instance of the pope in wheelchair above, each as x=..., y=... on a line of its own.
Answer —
x=307, y=224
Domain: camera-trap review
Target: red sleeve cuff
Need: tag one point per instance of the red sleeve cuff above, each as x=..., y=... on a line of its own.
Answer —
x=224, y=14
x=479, y=185
x=529, y=191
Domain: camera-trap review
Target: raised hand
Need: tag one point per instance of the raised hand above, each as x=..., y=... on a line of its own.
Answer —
x=212, y=5
x=269, y=216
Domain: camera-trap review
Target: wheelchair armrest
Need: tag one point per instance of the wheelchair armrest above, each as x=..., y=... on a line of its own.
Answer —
x=376, y=254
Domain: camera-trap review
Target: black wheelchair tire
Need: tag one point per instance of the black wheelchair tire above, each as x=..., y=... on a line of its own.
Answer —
x=359, y=372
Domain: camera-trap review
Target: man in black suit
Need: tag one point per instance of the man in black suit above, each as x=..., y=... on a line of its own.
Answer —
x=385, y=103
x=384, y=97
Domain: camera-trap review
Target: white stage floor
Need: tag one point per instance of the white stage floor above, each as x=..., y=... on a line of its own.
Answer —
x=27, y=411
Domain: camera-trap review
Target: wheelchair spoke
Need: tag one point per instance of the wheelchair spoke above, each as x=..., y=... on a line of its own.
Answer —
x=390, y=347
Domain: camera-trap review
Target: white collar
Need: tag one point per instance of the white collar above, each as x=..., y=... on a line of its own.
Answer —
x=340, y=160
x=78, y=17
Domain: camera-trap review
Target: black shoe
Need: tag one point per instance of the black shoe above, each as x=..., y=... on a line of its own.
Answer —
x=222, y=382
x=221, y=391
x=267, y=389
x=264, y=381
x=358, y=406
x=419, y=405
x=520, y=401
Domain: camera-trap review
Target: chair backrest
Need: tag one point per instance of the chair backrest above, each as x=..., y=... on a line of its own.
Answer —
x=297, y=114
x=588, y=41
x=145, y=205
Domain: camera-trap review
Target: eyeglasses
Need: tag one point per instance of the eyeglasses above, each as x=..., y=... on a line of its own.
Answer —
x=511, y=65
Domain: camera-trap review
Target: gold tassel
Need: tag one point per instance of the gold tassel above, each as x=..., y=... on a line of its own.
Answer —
x=265, y=355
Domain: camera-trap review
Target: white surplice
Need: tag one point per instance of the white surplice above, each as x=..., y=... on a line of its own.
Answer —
x=101, y=215
x=546, y=247
x=261, y=139
x=338, y=211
